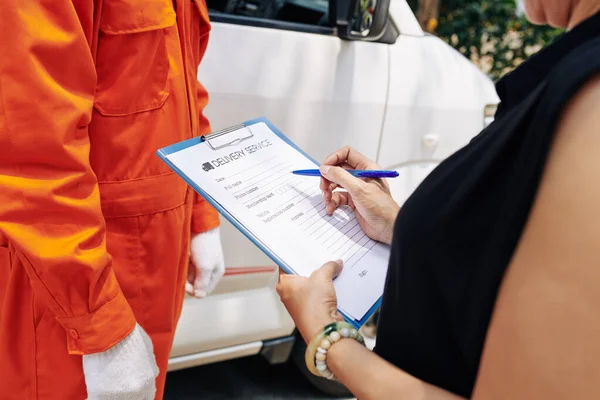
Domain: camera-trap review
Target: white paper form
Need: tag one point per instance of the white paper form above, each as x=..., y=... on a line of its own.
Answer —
x=252, y=180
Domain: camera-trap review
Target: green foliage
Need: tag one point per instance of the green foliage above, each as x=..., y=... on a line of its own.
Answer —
x=490, y=33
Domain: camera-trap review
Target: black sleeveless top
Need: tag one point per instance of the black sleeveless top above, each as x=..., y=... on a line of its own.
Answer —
x=456, y=234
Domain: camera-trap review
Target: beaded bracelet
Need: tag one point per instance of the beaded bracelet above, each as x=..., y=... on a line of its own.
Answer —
x=316, y=351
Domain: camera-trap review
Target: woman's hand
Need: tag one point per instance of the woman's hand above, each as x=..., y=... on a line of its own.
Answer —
x=370, y=199
x=311, y=302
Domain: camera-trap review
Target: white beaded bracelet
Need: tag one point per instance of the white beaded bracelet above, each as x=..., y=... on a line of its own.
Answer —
x=316, y=351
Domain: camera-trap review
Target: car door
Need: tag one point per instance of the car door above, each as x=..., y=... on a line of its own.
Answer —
x=281, y=60
x=320, y=91
x=436, y=103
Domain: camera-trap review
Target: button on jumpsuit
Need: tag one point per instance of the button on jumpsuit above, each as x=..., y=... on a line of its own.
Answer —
x=94, y=227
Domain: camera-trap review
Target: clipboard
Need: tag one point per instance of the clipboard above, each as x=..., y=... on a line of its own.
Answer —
x=223, y=138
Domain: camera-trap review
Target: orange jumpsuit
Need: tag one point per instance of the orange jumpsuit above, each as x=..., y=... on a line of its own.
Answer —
x=94, y=228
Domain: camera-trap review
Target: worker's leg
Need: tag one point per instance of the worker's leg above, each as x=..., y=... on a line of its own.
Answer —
x=154, y=283
x=34, y=363
x=150, y=259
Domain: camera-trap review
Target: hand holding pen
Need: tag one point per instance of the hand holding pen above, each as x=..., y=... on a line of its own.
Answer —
x=370, y=199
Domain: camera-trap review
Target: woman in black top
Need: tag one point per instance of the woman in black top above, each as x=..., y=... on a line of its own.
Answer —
x=493, y=287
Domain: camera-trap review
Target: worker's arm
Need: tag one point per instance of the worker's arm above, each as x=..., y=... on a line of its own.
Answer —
x=205, y=247
x=204, y=216
x=49, y=197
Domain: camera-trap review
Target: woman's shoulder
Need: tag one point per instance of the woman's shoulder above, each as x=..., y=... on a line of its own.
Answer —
x=571, y=74
x=569, y=88
x=584, y=105
x=577, y=135
x=573, y=92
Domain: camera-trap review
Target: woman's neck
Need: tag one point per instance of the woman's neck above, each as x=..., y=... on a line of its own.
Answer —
x=581, y=11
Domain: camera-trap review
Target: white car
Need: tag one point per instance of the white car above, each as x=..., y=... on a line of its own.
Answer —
x=401, y=97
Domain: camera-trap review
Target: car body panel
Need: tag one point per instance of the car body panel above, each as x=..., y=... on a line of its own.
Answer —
x=408, y=105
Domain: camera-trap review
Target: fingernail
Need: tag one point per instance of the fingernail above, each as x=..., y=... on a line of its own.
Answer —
x=325, y=169
x=340, y=264
x=335, y=314
x=200, y=294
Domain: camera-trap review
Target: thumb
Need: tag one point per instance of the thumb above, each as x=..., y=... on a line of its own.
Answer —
x=189, y=285
x=201, y=284
x=329, y=271
x=341, y=177
x=150, y=352
x=201, y=281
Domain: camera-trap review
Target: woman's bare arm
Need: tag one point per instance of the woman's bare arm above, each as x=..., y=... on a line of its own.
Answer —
x=370, y=377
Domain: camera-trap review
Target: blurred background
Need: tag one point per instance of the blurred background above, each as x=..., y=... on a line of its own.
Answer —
x=493, y=34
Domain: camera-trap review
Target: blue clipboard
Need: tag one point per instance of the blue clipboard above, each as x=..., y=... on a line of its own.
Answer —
x=166, y=151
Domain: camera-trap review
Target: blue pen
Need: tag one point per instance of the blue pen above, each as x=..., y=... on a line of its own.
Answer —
x=359, y=173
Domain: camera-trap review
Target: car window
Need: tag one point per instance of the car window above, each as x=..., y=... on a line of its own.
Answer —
x=310, y=13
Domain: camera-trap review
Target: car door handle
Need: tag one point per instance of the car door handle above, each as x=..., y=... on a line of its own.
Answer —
x=431, y=140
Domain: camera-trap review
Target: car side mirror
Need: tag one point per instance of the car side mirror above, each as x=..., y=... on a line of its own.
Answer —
x=360, y=19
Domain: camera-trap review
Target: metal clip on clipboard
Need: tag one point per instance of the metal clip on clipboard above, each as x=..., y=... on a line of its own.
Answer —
x=223, y=138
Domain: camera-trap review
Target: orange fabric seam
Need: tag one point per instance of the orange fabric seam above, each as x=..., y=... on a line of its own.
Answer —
x=135, y=179
x=172, y=17
x=142, y=196
x=84, y=348
x=157, y=211
x=150, y=107
x=35, y=368
x=32, y=270
x=108, y=303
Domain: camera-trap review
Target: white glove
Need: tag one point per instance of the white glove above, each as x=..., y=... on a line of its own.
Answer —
x=207, y=264
x=126, y=371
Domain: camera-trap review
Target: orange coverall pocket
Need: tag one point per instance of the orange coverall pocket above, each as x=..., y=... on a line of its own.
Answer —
x=202, y=26
x=200, y=29
x=132, y=61
x=5, y=257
